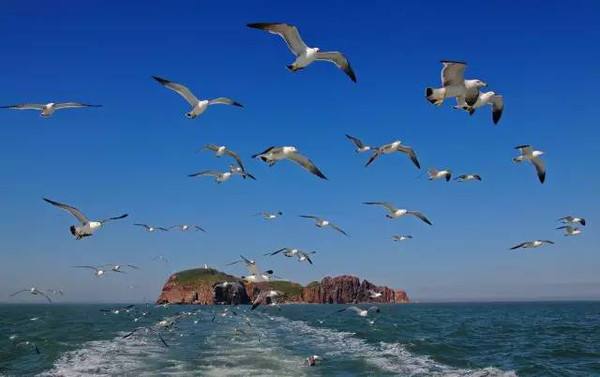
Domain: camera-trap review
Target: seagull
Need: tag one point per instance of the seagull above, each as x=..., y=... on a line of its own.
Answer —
x=219, y=176
x=270, y=215
x=186, y=228
x=360, y=146
x=289, y=252
x=273, y=154
x=532, y=244
x=528, y=153
x=264, y=297
x=374, y=294
x=255, y=275
x=87, y=227
x=487, y=98
x=237, y=169
x=98, y=271
x=34, y=291
x=468, y=177
x=395, y=146
x=361, y=312
x=394, y=212
x=572, y=220
x=322, y=223
x=438, y=174
x=304, y=55
x=455, y=85
x=118, y=267
x=152, y=228
x=126, y=309
x=221, y=150
x=198, y=106
x=402, y=238
x=48, y=109
x=570, y=230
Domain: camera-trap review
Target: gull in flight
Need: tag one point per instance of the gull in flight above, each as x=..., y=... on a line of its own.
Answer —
x=395, y=146
x=304, y=55
x=439, y=174
x=361, y=312
x=532, y=244
x=270, y=215
x=87, y=227
x=33, y=291
x=49, y=108
x=394, y=212
x=360, y=146
x=289, y=252
x=187, y=227
x=256, y=276
x=221, y=150
x=572, y=220
x=152, y=228
x=118, y=267
x=401, y=237
x=487, y=98
x=219, y=176
x=198, y=106
x=265, y=297
x=570, y=230
x=238, y=169
x=322, y=223
x=98, y=271
x=528, y=153
x=468, y=177
x=273, y=154
x=374, y=294
x=455, y=85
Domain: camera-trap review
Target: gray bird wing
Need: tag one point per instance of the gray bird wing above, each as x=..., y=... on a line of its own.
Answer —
x=72, y=210
x=453, y=73
x=306, y=164
x=179, y=89
x=289, y=33
x=339, y=60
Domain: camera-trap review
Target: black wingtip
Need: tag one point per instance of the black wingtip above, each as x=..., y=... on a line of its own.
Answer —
x=160, y=79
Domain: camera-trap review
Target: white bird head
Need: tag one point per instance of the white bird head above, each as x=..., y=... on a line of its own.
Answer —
x=480, y=84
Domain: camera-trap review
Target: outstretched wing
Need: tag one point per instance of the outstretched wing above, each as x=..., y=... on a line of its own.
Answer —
x=357, y=142
x=411, y=153
x=539, y=168
x=288, y=32
x=306, y=164
x=114, y=218
x=72, y=210
x=453, y=73
x=420, y=216
x=179, y=89
x=73, y=105
x=338, y=229
x=24, y=106
x=389, y=206
x=497, y=108
x=339, y=60
x=518, y=246
x=224, y=101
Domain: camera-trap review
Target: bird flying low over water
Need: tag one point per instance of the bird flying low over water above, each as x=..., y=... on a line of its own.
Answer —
x=401, y=237
x=439, y=174
x=528, y=153
x=322, y=223
x=360, y=146
x=395, y=146
x=198, y=106
x=455, y=85
x=572, y=220
x=264, y=297
x=395, y=212
x=487, y=98
x=570, y=230
x=532, y=244
x=374, y=294
x=304, y=55
x=49, y=108
x=152, y=228
x=273, y=154
x=360, y=311
x=33, y=291
x=87, y=227
x=468, y=177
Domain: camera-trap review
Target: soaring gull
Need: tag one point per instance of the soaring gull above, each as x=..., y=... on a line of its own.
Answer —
x=322, y=223
x=439, y=174
x=395, y=212
x=360, y=311
x=570, y=230
x=33, y=291
x=270, y=215
x=572, y=220
x=49, y=108
x=152, y=228
x=455, y=85
x=265, y=297
x=401, y=237
x=528, y=153
x=468, y=177
x=395, y=146
x=360, y=146
x=532, y=244
x=487, y=98
x=221, y=150
x=273, y=154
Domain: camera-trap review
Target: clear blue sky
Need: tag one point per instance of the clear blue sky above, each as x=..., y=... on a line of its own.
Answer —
x=133, y=154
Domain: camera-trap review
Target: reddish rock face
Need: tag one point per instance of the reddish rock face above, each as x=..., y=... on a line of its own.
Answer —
x=347, y=289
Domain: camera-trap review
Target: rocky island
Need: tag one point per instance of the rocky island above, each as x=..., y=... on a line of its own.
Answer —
x=203, y=286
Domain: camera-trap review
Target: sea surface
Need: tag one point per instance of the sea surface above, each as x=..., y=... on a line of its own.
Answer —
x=487, y=339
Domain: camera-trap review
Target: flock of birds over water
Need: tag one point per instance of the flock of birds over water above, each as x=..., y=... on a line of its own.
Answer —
x=467, y=93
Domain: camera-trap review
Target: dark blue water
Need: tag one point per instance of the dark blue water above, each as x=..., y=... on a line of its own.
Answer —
x=491, y=339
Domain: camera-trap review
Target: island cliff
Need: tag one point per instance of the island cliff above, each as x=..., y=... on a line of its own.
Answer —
x=203, y=286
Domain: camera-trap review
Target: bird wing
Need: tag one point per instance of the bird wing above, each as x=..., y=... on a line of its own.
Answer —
x=179, y=89
x=453, y=73
x=311, y=217
x=338, y=229
x=143, y=225
x=355, y=309
x=89, y=267
x=250, y=266
x=46, y=296
x=277, y=251
x=539, y=168
x=19, y=292
x=307, y=257
x=524, y=149
x=497, y=108
x=411, y=153
x=339, y=60
x=389, y=206
x=236, y=157
x=24, y=106
x=72, y=105
x=548, y=242
x=374, y=156
x=518, y=246
x=288, y=32
x=259, y=299
x=224, y=101
x=199, y=228
x=114, y=218
x=263, y=152
x=471, y=96
x=420, y=216
x=72, y=210
x=211, y=147
x=306, y=164
x=212, y=173
x=133, y=266
x=357, y=142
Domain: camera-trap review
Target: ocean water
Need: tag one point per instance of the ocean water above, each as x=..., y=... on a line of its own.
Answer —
x=488, y=339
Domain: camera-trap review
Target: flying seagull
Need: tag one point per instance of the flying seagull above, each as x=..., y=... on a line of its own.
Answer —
x=118, y=267
x=256, y=276
x=360, y=146
x=322, y=223
x=487, y=98
x=395, y=146
x=374, y=294
x=238, y=169
x=304, y=55
x=289, y=252
x=34, y=291
x=455, y=85
x=570, y=230
x=152, y=228
x=572, y=220
x=98, y=271
x=87, y=227
x=468, y=177
x=264, y=297
x=187, y=227
x=221, y=150
x=394, y=212
x=532, y=244
x=401, y=237
x=439, y=174
x=198, y=106
x=273, y=154
x=49, y=108
x=361, y=312
x=528, y=153
x=219, y=176
x=270, y=215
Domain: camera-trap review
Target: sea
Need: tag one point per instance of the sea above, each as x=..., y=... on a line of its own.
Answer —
x=456, y=339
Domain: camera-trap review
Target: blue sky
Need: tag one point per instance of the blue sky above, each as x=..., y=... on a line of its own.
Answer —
x=133, y=154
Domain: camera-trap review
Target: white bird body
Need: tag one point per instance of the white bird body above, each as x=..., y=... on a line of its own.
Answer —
x=393, y=147
x=439, y=174
x=528, y=153
x=455, y=85
x=532, y=244
x=401, y=238
x=273, y=154
x=488, y=98
x=570, y=230
x=394, y=212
